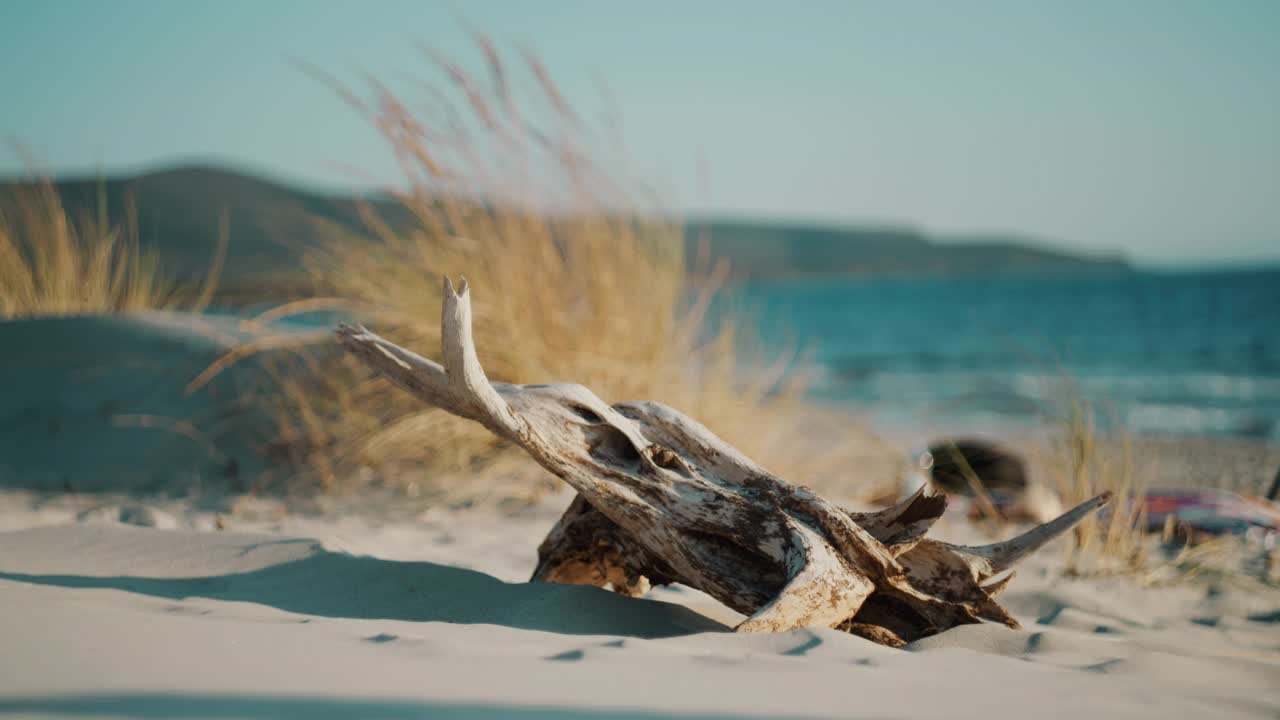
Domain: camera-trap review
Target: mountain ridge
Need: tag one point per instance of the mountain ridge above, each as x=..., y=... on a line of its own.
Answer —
x=179, y=210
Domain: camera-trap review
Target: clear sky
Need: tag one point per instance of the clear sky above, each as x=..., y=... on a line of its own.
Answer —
x=1151, y=126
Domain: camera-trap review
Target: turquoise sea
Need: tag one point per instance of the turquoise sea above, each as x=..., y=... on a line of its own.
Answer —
x=1187, y=352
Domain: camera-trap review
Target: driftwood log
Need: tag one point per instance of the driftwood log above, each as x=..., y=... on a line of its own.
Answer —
x=661, y=499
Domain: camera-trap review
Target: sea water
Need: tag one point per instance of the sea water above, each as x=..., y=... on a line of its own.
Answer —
x=1187, y=352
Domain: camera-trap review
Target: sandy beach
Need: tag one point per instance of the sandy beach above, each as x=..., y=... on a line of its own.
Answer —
x=369, y=612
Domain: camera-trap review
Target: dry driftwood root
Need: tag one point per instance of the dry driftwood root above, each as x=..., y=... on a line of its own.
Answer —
x=661, y=499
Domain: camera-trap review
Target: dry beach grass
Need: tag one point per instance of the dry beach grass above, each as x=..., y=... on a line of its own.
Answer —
x=54, y=263
x=582, y=282
x=1115, y=541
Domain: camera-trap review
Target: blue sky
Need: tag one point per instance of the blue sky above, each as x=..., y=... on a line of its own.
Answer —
x=1143, y=125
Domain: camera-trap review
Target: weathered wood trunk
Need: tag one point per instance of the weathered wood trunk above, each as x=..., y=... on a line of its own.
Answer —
x=661, y=499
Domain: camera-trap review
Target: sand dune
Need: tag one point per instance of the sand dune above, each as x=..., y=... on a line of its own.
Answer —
x=344, y=616
x=99, y=403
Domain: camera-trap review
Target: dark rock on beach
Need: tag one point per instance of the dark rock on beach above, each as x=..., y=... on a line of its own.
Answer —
x=998, y=468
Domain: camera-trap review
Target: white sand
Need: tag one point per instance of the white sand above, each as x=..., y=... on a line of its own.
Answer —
x=356, y=615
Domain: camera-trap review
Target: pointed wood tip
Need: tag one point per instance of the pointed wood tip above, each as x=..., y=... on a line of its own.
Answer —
x=1097, y=501
x=348, y=331
x=926, y=503
x=997, y=583
x=1003, y=555
x=463, y=288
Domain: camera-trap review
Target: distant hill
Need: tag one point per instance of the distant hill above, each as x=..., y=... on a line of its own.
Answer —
x=270, y=224
x=179, y=210
x=770, y=249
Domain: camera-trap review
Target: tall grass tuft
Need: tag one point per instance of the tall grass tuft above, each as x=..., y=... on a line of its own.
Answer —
x=54, y=263
x=577, y=277
x=1083, y=465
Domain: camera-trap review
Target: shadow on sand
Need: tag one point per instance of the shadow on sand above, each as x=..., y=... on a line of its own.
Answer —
x=337, y=585
x=251, y=707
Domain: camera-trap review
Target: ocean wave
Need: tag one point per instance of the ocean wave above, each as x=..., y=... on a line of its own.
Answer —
x=1194, y=352
x=1190, y=419
x=1194, y=403
x=1209, y=386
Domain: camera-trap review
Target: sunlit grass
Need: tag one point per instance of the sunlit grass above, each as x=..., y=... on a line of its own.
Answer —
x=55, y=263
x=1083, y=463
